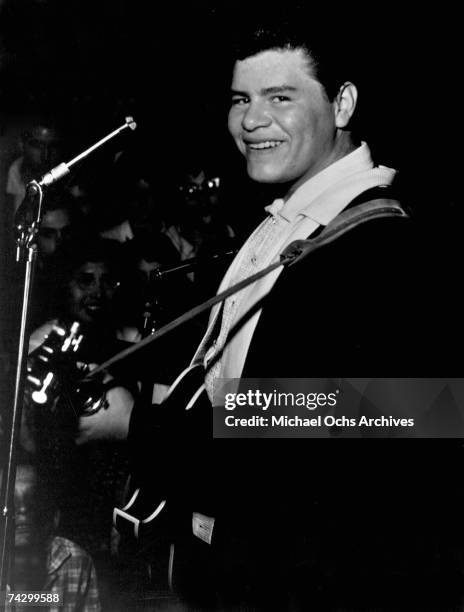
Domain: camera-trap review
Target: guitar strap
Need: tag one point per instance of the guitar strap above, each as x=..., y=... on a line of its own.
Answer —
x=351, y=217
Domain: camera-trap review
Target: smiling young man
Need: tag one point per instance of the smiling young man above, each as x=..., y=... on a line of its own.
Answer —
x=294, y=129
x=304, y=524
x=282, y=120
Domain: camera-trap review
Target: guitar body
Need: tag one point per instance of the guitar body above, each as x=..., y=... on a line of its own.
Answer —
x=167, y=483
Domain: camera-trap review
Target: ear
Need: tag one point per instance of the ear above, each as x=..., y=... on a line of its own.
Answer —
x=344, y=104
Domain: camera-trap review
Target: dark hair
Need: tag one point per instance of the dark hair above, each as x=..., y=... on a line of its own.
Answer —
x=45, y=128
x=57, y=199
x=84, y=248
x=326, y=62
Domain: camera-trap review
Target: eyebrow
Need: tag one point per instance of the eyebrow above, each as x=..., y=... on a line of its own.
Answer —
x=266, y=91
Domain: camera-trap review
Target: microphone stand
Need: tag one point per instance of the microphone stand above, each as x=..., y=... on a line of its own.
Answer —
x=189, y=264
x=27, y=224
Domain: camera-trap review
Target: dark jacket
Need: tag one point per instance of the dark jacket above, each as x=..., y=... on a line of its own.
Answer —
x=305, y=521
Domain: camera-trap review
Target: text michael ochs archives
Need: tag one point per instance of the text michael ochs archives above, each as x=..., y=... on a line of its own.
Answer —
x=338, y=408
x=256, y=399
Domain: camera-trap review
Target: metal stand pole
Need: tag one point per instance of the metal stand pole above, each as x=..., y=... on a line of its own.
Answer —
x=27, y=223
x=7, y=535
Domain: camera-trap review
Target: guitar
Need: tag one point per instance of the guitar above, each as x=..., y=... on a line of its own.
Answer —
x=166, y=455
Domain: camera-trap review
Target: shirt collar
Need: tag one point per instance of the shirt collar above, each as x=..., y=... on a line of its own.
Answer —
x=301, y=202
x=58, y=552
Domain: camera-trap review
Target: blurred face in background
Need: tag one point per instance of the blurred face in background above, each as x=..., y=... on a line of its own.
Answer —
x=41, y=148
x=91, y=290
x=54, y=230
x=200, y=194
x=26, y=512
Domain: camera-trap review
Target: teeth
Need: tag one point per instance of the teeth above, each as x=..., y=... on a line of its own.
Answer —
x=267, y=144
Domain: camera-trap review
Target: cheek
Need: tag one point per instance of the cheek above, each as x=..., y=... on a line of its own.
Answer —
x=298, y=126
x=310, y=133
x=46, y=245
x=233, y=123
x=75, y=296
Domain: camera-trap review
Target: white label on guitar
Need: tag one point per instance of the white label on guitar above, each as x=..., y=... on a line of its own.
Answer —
x=202, y=526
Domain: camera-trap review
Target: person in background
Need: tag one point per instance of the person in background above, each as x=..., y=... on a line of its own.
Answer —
x=41, y=150
x=83, y=453
x=154, y=292
x=44, y=561
x=202, y=224
x=61, y=223
x=201, y=215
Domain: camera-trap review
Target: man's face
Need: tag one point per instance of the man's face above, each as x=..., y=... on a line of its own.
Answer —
x=280, y=118
x=201, y=194
x=25, y=499
x=55, y=228
x=90, y=292
x=42, y=148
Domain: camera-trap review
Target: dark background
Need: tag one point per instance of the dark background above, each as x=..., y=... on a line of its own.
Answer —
x=89, y=63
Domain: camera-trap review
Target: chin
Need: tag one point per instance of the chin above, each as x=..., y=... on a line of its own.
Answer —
x=263, y=174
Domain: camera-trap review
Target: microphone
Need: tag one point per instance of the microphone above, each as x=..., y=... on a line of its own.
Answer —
x=57, y=173
x=53, y=175
x=28, y=215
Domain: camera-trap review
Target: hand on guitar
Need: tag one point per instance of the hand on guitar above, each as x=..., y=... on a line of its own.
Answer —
x=170, y=450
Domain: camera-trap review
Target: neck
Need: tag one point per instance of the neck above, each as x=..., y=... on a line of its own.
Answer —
x=343, y=146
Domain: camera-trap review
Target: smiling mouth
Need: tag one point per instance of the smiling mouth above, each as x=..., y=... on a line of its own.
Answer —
x=93, y=307
x=265, y=145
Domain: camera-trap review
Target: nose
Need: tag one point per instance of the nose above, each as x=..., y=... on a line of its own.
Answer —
x=97, y=289
x=59, y=236
x=255, y=116
x=94, y=288
x=20, y=510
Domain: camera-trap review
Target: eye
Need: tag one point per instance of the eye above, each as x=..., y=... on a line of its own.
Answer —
x=280, y=99
x=239, y=100
x=85, y=280
x=47, y=232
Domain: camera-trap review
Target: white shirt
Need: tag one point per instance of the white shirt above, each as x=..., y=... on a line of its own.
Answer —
x=316, y=202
